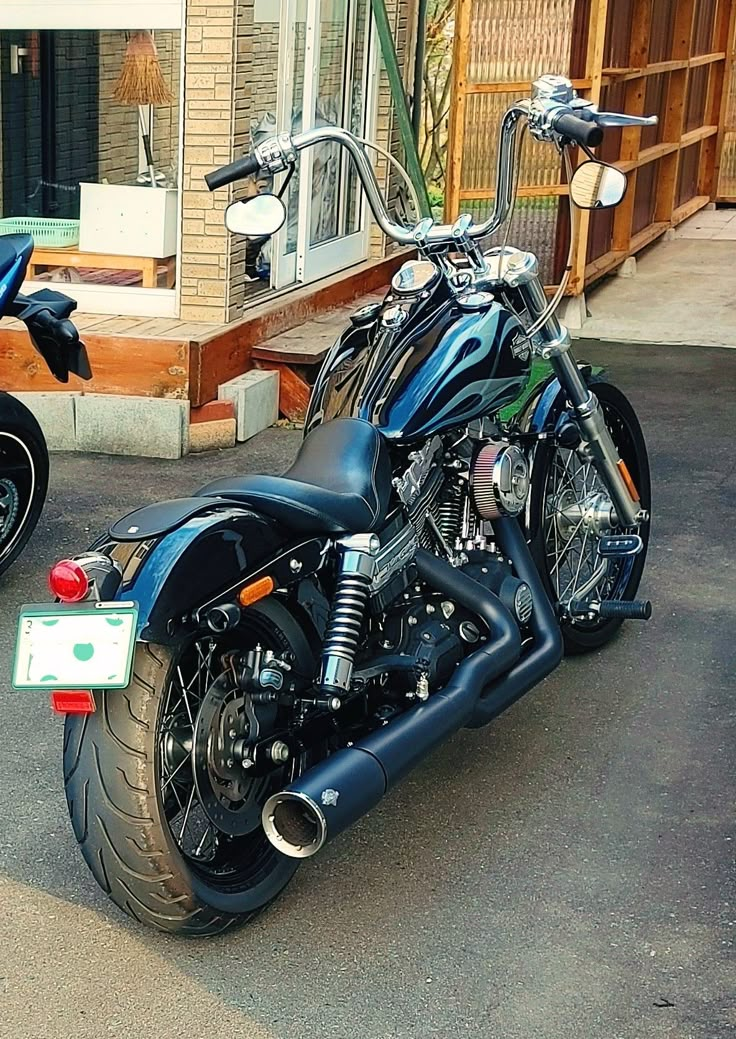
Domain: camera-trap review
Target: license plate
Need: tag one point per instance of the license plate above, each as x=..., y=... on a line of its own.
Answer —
x=76, y=646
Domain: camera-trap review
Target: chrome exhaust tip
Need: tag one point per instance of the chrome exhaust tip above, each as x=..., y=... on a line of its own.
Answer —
x=294, y=824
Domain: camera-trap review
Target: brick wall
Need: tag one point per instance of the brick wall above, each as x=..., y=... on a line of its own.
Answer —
x=208, y=142
x=231, y=82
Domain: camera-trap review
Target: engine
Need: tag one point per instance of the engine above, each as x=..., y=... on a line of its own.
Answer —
x=450, y=493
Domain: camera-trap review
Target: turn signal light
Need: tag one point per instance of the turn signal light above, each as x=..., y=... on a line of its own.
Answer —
x=68, y=581
x=73, y=701
x=257, y=590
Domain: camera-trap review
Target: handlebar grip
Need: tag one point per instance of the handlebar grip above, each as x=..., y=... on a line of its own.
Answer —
x=578, y=130
x=238, y=170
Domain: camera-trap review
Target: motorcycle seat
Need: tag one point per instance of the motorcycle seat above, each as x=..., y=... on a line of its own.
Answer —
x=340, y=482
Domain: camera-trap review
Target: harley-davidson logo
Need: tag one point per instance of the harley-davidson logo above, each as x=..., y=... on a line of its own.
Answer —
x=521, y=347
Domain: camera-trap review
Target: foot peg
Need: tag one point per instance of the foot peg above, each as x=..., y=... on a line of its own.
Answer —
x=614, y=545
x=637, y=610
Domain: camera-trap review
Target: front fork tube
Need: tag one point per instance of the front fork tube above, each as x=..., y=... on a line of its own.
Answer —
x=522, y=274
x=598, y=442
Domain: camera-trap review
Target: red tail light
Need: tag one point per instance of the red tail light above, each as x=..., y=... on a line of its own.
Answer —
x=68, y=581
x=73, y=701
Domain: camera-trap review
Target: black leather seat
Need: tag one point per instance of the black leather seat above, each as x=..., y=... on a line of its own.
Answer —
x=339, y=483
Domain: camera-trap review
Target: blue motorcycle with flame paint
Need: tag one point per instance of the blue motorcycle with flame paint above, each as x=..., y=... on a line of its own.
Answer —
x=296, y=644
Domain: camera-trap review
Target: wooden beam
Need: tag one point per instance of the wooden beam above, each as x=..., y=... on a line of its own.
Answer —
x=646, y=236
x=603, y=265
x=138, y=366
x=294, y=392
x=727, y=29
x=524, y=191
x=519, y=87
x=594, y=72
x=458, y=108
x=622, y=75
x=689, y=208
x=706, y=59
x=698, y=134
x=657, y=151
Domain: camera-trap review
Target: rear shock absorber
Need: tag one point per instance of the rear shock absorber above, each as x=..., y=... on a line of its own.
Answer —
x=356, y=569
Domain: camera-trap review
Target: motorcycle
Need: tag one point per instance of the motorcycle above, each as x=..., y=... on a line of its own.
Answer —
x=247, y=671
x=24, y=458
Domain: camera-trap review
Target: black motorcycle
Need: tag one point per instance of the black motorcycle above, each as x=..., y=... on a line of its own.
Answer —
x=269, y=656
x=24, y=458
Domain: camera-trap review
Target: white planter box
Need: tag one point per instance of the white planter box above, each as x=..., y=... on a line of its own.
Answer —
x=128, y=221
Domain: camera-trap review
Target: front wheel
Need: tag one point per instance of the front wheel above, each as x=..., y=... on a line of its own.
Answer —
x=24, y=477
x=170, y=841
x=567, y=509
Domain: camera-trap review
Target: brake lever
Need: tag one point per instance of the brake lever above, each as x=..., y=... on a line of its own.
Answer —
x=619, y=119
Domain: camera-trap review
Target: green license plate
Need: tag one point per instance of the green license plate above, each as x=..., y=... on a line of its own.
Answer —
x=85, y=646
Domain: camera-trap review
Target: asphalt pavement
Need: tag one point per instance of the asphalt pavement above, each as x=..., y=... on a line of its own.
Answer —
x=566, y=873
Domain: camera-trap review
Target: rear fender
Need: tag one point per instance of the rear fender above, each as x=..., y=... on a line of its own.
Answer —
x=205, y=560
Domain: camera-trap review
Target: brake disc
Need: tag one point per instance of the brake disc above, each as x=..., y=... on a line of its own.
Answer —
x=231, y=799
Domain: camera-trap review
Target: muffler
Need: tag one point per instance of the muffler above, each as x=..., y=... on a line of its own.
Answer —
x=334, y=794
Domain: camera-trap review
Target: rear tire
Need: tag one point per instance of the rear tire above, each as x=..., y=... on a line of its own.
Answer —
x=121, y=816
x=24, y=477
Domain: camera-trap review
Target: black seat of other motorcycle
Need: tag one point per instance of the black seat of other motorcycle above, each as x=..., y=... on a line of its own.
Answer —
x=340, y=482
x=14, y=247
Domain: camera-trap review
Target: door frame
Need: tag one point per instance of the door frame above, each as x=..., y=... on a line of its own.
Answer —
x=308, y=263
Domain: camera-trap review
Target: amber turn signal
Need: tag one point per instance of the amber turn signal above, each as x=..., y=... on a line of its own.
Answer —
x=628, y=480
x=257, y=590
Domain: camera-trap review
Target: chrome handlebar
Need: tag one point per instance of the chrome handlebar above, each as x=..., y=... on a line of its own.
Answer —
x=554, y=113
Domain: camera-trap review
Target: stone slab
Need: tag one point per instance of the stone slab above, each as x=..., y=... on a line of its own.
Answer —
x=56, y=415
x=149, y=427
x=256, y=398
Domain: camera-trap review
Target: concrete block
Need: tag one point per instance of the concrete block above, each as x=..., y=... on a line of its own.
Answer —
x=150, y=427
x=573, y=312
x=669, y=235
x=212, y=435
x=256, y=399
x=627, y=268
x=56, y=417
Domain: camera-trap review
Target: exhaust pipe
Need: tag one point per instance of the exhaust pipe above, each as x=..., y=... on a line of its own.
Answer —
x=334, y=794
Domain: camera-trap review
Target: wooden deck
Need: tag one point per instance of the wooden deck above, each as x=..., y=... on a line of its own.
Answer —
x=165, y=357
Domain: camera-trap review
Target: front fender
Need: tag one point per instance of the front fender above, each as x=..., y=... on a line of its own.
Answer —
x=171, y=576
x=547, y=402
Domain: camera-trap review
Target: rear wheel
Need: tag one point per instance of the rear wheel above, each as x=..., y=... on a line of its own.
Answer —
x=24, y=477
x=172, y=843
x=568, y=500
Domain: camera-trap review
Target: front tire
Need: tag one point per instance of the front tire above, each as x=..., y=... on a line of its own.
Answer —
x=24, y=477
x=558, y=473
x=121, y=801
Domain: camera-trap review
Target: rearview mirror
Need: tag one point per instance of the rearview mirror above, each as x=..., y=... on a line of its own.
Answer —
x=595, y=185
x=257, y=217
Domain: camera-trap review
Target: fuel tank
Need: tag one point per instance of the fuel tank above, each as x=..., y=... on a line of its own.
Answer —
x=415, y=367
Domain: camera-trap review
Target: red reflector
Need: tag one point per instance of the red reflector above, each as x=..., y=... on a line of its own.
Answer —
x=68, y=581
x=73, y=701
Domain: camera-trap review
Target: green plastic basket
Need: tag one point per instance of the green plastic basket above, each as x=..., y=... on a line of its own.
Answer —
x=48, y=233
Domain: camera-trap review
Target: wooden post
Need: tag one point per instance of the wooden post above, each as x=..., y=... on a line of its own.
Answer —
x=458, y=105
x=728, y=44
x=593, y=72
x=636, y=90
